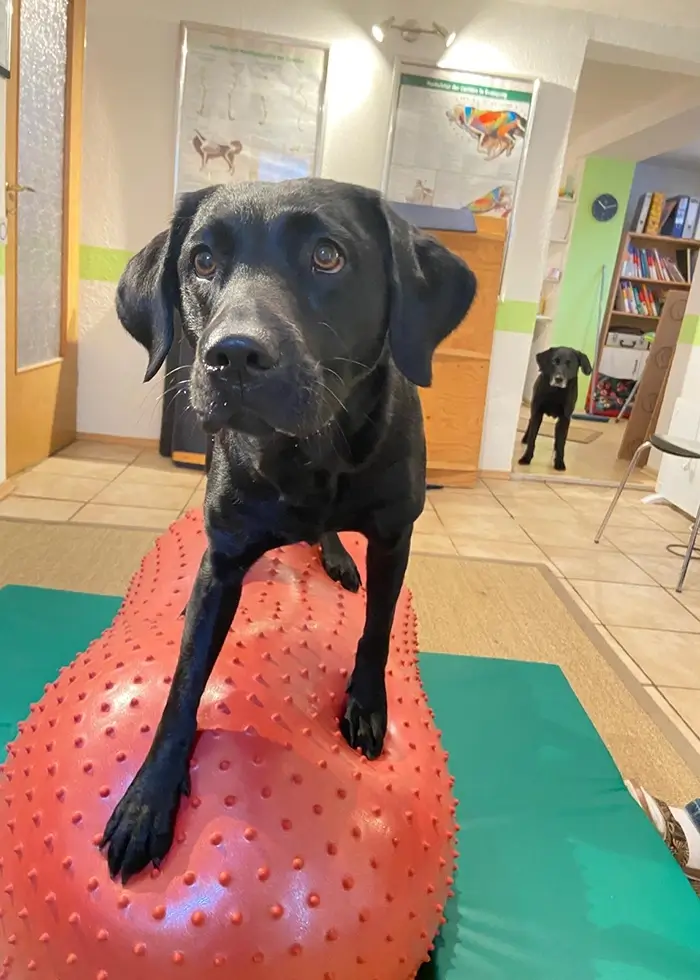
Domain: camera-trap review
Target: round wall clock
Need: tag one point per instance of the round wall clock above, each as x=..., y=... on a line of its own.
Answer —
x=604, y=207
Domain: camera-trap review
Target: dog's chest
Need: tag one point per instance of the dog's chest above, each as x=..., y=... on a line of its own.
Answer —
x=556, y=401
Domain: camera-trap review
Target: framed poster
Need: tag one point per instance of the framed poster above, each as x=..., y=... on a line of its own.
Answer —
x=251, y=108
x=457, y=139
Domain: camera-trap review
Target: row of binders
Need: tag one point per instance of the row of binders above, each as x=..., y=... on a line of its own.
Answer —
x=674, y=217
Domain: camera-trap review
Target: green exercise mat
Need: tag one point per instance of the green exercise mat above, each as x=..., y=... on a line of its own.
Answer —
x=41, y=630
x=561, y=876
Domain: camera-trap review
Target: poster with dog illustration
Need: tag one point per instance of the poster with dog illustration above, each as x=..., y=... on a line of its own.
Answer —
x=250, y=108
x=458, y=139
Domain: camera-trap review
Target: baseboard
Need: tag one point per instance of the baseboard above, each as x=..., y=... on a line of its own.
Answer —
x=117, y=440
x=189, y=459
x=494, y=475
x=6, y=489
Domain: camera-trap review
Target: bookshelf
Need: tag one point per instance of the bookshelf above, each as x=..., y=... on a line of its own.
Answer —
x=661, y=247
x=636, y=322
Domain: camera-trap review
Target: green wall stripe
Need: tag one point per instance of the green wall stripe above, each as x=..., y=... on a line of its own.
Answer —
x=593, y=244
x=690, y=330
x=102, y=264
x=516, y=316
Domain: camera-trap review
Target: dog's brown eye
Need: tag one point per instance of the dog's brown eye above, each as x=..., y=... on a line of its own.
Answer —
x=204, y=264
x=327, y=257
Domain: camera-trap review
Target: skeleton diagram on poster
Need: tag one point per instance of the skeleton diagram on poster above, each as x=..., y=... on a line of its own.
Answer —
x=250, y=109
x=458, y=140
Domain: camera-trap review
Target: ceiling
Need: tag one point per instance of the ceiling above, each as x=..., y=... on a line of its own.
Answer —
x=608, y=90
x=685, y=158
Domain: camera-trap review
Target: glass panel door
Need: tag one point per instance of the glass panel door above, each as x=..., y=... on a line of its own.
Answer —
x=38, y=194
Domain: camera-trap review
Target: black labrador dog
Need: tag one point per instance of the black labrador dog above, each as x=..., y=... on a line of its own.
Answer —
x=555, y=394
x=313, y=311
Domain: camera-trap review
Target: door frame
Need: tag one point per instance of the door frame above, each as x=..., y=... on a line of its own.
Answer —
x=52, y=384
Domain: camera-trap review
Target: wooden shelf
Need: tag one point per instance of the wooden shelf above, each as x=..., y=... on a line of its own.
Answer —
x=666, y=283
x=666, y=240
x=635, y=316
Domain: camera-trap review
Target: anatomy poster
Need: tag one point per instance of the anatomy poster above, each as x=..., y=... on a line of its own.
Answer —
x=458, y=140
x=250, y=108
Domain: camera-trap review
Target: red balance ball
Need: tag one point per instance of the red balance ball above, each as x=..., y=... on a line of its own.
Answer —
x=294, y=858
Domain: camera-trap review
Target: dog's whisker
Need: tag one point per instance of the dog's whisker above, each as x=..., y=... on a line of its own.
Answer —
x=330, y=392
x=349, y=360
x=181, y=367
x=335, y=374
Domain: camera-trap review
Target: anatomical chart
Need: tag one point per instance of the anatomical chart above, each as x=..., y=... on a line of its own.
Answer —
x=458, y=140
x=250, y=108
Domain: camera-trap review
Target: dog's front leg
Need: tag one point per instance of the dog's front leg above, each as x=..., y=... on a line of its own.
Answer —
x=338, y=562
x=365, y=719
x=533, y=429
x=141, y=828
x=561, y=431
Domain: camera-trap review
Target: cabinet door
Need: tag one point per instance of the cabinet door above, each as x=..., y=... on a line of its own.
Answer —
x=454, y=413
x=679, y=479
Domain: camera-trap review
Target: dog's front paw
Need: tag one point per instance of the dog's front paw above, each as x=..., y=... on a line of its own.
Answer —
x=525, y=460
x=341, y=568
x=141, y=829
x=560, y=465
x=364, y=723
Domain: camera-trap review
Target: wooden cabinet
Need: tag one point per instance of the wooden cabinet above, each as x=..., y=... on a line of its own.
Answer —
x=454, y=406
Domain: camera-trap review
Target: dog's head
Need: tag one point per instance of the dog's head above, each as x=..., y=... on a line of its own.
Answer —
x=290, y=293
x=560, y=365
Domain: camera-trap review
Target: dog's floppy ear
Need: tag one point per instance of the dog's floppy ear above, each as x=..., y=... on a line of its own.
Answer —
x=430, y=292
x=149, y=290
x=544, y=359
x=584, y=363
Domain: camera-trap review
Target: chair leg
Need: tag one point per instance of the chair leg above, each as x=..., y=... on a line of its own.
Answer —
x=618, y=492
x=689, y=552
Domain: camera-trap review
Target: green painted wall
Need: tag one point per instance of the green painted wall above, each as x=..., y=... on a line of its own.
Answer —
x=516, y=316
x=690, y=330
x=592, y=245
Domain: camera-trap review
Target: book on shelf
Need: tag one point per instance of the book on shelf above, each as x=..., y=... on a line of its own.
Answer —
x=675, y=214
x=641, y=212
x=686, y=260
x=691, y=218
x=637, y=298
x=655, y=214
x=649, y=263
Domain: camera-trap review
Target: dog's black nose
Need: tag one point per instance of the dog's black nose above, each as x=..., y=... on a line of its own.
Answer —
x=240, y=354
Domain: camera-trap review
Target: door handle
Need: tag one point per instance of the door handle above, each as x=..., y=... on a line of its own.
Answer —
x=19, y=188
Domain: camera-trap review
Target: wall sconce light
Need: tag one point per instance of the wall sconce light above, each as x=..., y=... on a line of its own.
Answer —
x=411, y=30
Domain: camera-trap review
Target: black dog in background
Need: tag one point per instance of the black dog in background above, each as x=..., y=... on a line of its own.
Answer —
x=314, y=311
x=555, y=394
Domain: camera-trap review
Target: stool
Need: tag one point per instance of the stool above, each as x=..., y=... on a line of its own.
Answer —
x=671, y=446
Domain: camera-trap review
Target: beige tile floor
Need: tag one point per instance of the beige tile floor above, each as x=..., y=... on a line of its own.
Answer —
x=586, y=461
x=624, y=585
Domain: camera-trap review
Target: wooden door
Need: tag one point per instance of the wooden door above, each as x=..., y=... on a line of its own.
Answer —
x=42, y=169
